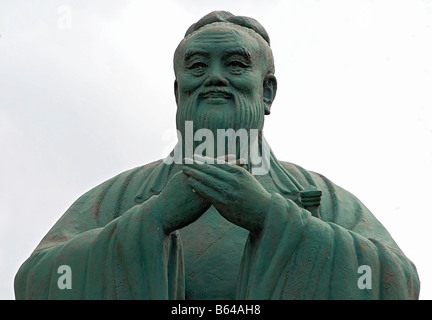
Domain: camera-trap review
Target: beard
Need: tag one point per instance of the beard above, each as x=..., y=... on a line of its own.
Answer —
x=242, y=112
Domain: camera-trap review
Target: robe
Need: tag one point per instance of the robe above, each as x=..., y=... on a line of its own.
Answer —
x=116, y=248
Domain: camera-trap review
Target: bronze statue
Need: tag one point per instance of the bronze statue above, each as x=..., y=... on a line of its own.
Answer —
x=202, y=224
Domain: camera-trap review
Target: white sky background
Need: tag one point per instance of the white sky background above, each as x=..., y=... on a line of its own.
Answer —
x=79, y=105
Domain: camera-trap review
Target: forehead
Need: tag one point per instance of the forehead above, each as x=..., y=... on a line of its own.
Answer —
x=221, y=37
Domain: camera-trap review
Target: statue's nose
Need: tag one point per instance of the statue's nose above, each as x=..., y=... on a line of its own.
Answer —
x=215, y=77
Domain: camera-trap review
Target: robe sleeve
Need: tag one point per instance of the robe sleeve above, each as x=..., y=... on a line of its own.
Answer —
x=129, y=258
x=299, y=256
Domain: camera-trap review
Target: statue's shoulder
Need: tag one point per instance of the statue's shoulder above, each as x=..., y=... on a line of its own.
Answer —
x=99, y=205
x=304, y=177
x=121, y=188
x=138, y=174
x=117, y=192
x=309, y=177
x=143, y=170
x=334, y=197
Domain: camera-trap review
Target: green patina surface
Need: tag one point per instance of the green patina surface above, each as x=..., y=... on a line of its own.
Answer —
x=215, y=231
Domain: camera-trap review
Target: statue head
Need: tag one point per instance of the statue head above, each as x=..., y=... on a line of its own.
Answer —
x=224, y=73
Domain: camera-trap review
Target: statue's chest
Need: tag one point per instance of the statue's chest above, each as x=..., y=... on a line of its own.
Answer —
x=213, y=248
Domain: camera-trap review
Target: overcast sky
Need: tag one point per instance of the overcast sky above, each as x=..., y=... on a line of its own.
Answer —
x=86, y=92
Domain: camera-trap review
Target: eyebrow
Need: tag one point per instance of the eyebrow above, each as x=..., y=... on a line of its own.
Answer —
x=237, y=51
x=240, y=52
x=193, y=52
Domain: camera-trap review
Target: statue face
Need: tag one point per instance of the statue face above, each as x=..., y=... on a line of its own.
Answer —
x=219, y=79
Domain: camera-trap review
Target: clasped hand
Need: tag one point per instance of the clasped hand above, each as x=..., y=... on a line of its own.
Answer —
x=231, y=189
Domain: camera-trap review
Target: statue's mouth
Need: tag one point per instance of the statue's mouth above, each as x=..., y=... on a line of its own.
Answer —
x=216, y=94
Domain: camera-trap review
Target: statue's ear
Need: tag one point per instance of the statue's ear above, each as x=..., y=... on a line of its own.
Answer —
x=176, y=91
x=269, y=92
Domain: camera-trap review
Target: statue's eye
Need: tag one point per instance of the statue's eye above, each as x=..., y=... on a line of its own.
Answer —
x=197, y=66
x=237, y=66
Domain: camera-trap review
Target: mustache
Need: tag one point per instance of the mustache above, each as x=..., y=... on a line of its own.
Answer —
x=216, y=93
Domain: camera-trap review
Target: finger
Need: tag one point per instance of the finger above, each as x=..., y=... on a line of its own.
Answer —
x=204, y=159
x=218, y=168
x=222, y=190
x=204, y=191
x=229, y=158
x=211, y=169
x=207, y=179
x=242, y=163
x=232, y=168
x=225, y=159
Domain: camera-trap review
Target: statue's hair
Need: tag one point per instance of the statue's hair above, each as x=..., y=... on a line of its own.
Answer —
x=246, y=22
x=225, y=16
